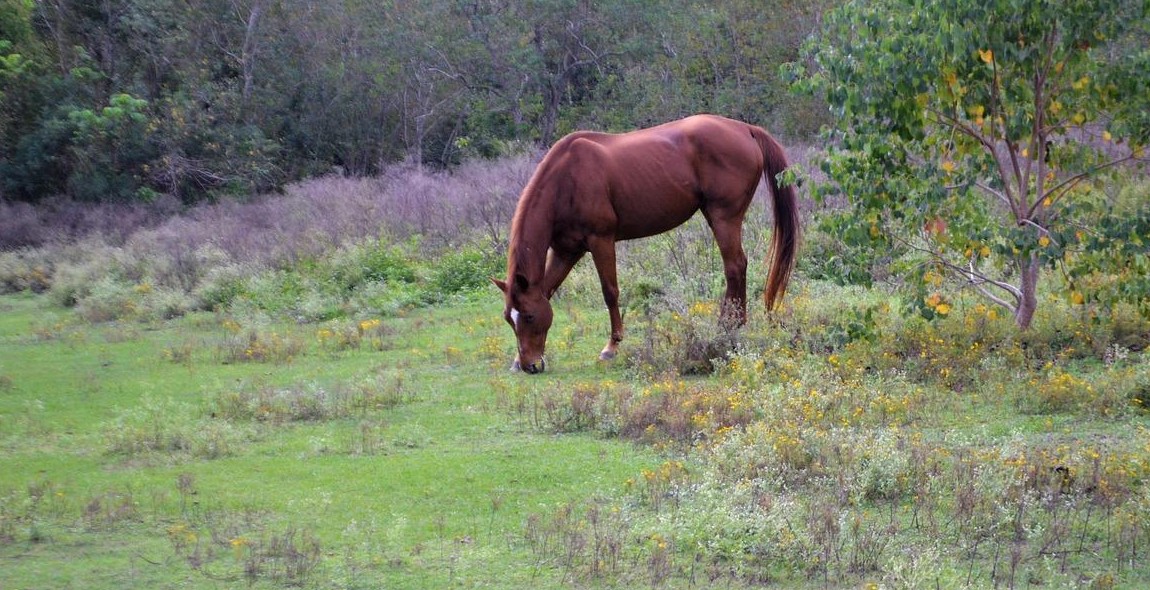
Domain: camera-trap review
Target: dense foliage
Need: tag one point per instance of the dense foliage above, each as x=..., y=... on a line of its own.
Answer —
x=126, y=99
x=956, y=142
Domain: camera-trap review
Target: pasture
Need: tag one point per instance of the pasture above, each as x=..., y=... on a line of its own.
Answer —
x=146, y=456
x=342, y=417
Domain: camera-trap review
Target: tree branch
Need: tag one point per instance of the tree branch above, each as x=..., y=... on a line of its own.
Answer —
x=994, y=298
x=996, y=194
x=955, y=123
x=999, y=112
x=1063, y=188
x=971, y=275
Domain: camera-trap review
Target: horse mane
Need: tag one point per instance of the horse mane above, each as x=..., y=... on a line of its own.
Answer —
x=521, y=256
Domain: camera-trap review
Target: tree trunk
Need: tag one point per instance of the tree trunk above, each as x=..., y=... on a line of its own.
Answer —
x=248, y=57
x=1028, y=287
x=552, y=97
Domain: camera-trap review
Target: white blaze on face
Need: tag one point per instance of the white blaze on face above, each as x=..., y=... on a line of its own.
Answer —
x=515, y=317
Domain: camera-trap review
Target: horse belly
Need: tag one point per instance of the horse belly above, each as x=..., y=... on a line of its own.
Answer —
x=651, y=215
x=649, y=181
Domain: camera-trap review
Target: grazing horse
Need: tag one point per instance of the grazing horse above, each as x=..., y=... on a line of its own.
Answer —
x=593, y=189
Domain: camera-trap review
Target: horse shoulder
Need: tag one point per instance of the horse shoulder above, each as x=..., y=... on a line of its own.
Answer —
x=583, y=159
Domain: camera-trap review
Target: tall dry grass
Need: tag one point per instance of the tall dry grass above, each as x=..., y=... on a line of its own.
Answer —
x=155, y=251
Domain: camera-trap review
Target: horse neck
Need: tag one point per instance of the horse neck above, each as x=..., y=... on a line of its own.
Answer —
x=531, y=234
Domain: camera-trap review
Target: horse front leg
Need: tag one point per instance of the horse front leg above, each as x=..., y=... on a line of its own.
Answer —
x=559, y=265
x=603, y=253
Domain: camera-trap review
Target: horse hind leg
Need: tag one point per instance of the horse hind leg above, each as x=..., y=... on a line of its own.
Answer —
x=729, y=237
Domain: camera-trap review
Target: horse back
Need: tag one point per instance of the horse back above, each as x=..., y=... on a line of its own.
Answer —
x=662, y=175
x=646, y=182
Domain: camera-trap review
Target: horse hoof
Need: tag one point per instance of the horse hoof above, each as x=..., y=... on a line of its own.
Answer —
x=606, y=355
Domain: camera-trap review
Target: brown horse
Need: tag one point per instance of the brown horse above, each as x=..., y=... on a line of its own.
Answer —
x=593, y=189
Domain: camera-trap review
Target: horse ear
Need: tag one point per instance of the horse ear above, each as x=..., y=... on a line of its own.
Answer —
x=501, y=284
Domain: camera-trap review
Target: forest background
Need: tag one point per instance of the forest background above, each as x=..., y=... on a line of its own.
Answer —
x=128, y=100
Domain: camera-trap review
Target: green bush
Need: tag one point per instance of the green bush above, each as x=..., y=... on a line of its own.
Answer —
x=77, y=269
x=222, y=286
x=461, y=272
x=383, y=263
x=371, y=261
x=276, y=291
x=108, y=299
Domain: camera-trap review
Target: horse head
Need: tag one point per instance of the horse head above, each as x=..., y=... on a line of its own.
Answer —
x=528, y=311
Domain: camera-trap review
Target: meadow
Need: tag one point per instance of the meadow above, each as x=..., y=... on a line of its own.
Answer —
x=311, y=390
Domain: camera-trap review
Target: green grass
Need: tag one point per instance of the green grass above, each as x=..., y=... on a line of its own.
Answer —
x=430, y=493
x=833, y=448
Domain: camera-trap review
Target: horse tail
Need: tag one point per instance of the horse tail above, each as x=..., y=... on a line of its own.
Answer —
x=785, y=241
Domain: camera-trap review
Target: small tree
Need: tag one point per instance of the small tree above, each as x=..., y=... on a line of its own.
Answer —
x=970, y=131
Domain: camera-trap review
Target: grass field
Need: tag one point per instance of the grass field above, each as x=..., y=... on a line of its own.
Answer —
x=217, y=450
x=406, y=473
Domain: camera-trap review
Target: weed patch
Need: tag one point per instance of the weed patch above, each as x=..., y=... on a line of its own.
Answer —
x=245, y=545
x=167, y=428
x=588, y=541
x=309, y=402
x=254, y=345
x=680, y=338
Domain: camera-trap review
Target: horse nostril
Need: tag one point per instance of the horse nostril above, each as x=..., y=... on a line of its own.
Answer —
x=534, y=368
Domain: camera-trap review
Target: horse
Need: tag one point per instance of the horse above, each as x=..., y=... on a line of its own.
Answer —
x=593, y=189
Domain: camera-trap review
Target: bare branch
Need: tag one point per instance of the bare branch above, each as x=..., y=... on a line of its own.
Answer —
x=997, y=194
x=971, y=275
x=986, y=143
x=1063, y=188
x=1041, y=230
x=994, y=298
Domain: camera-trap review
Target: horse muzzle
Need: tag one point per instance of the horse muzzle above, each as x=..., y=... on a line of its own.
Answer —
x=533, y=368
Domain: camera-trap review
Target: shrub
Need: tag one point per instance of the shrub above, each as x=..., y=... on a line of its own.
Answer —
x=370, y=261
x=108, y=299
x=462, y=272
x=276, y=291
x=77, y=267
x=681, y=338
x=222, y=286
x=1138, y=391
x=259, y=346
x=26, y=269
